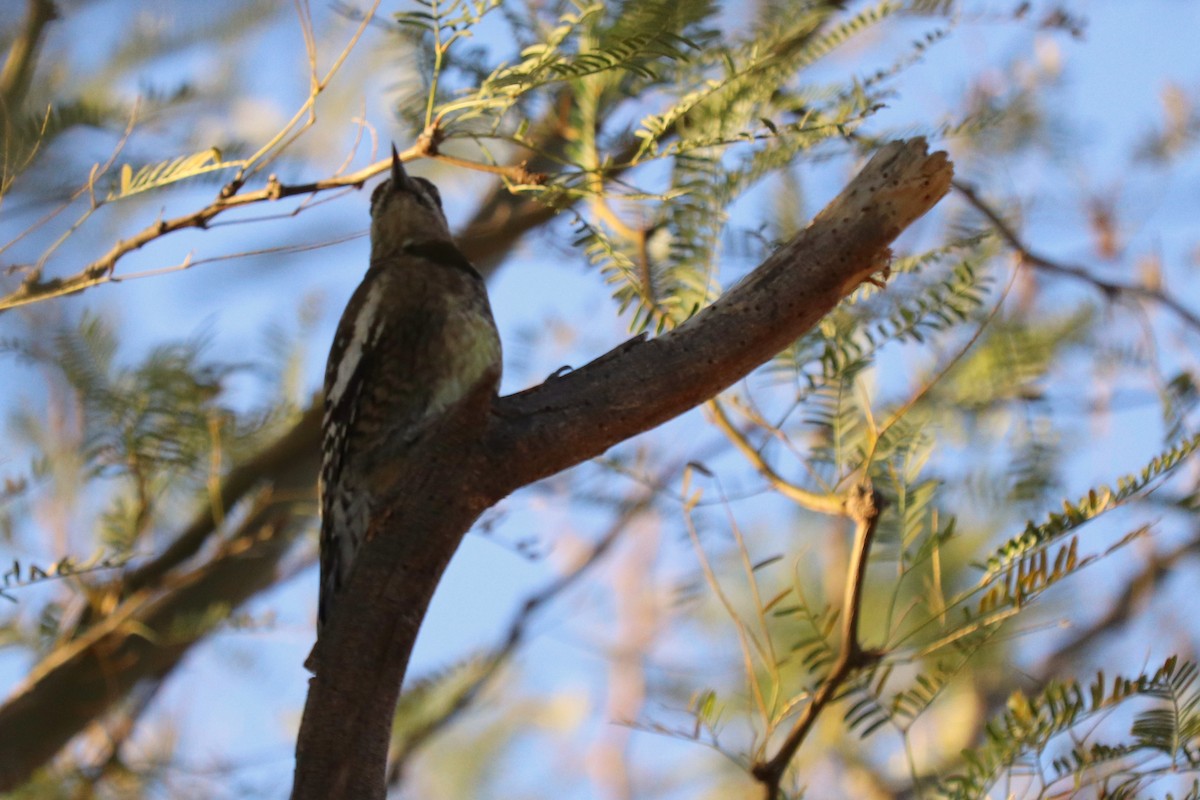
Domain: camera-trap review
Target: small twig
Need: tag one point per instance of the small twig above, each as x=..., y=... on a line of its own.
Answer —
x=517, y=173
x=936, y=378
x=813, y=501
x=429, y=144
x=101, y=270
x=1111, y=289
x=863, y=507
x=747, y=641
x=264, y=155
x=284, y=249
x=35, y=273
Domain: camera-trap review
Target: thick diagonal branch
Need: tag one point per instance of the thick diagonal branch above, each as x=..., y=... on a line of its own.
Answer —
x=361, y=659
x=644, y=383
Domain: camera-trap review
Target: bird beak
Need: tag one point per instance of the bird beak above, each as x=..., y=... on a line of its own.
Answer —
x=399, y=176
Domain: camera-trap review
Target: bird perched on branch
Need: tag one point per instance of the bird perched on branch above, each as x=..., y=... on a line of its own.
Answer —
x=416, y=345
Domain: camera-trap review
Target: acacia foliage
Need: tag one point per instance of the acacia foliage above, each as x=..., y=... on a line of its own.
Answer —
x=656, y=130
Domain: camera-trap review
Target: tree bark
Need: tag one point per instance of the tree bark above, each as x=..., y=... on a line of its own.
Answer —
x=361, y=659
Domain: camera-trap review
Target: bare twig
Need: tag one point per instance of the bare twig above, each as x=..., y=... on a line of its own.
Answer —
x=862, y=506
x=1111, y=289
x=33, y=288
x=516, y=173
x=101, y=270
x=747, y=641
x=88, y=188
x=880, y=431
x=824, y=503
x=482, y=247
x=286, y=134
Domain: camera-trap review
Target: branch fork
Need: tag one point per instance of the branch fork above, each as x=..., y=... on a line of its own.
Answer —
x=862, y=505
x=343, y=741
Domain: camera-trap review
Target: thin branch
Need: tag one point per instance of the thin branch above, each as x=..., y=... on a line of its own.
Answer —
x=259, y=160
x=101, y=270
x=88, y=188
x=823, y=503
x=745, y=637
x=480, y=247
x=22, y=57
x=1138, y=589
x=863, y=507
x=282, y=249
x=1111, y=289
x=927, y=385
x=516, y=173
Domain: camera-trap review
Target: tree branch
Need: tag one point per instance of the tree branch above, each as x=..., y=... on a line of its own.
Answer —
x=101, y=270
x=1111, y=289
x=439, y=490
x=500, y=222
x=828, y=503
x=146, y=636
x=646, y=382
x=863, y=506
x=22, y=57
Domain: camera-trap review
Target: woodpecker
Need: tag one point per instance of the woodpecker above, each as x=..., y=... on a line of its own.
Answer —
x=416, y=342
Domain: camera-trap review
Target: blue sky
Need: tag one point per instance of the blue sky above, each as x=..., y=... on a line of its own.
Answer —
x=1108, y=96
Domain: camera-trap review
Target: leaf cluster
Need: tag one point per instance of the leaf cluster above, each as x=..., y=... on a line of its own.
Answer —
x=1021, y=738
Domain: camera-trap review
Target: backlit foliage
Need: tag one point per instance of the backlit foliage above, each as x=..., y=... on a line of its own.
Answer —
x=677, y=141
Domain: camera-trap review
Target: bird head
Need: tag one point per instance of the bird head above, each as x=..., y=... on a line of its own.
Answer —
x=405, y=210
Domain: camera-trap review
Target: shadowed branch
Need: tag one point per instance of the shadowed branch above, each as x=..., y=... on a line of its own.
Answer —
x=449, y=481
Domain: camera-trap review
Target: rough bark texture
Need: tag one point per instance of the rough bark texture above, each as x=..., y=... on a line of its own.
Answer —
x=342, y=748
x=360, y=659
